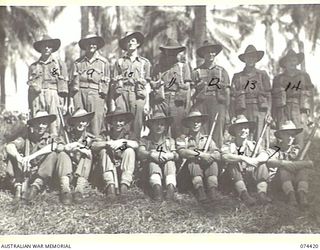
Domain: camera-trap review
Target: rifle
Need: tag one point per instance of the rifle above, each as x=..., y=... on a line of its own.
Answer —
x=257, y=146
x=63, y=125
x=26, y=171
x=206, y=147
x=115, y=171
x=310, y=137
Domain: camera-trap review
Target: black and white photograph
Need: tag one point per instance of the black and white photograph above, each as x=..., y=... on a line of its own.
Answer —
x=160, y=119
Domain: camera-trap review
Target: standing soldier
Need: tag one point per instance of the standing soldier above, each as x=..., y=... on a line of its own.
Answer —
x=90, y=80
x=250, y=89
x=293, y=95
x=131, y=74
x=237, y=156
x=200, y=164
x=47, y=80
x=117, y=151
x=158, y=153
x=212, y=93
x=171, y=90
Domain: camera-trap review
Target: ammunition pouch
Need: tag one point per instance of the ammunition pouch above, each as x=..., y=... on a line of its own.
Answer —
x=35, y=86
x=263, y=100
x=240, y=100
x=306, y=99
x=279, y=98
x=157, y=94
x=140, y=90
x=62, y=88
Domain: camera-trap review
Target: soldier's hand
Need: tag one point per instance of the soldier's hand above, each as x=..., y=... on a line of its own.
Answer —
x=251, y=161
x=206, y=157
x=86, y=152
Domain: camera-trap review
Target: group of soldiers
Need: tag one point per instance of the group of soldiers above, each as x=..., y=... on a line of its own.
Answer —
x=168, y=121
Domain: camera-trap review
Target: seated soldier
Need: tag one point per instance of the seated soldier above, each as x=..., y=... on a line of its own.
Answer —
x=158, y=154
x=74, y=159
x=37, y=147
x=284, y=159
x=239, y=163
x=116, y=148
x=201, y=164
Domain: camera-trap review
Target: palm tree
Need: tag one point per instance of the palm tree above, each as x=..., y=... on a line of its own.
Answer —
x=19, y=28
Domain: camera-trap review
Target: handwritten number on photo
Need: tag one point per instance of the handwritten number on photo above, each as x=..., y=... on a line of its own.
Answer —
x=216, y=83
x=54, y=72
x=296, y=87
x=90, y=72
x=252, y=83
x=278, y=149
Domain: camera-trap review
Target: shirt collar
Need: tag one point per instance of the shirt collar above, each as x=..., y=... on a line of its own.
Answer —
x=137, y=58
x=49, y=60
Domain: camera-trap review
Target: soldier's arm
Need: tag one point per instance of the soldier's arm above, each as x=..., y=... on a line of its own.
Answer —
x=63, y=79
x=227, y=87
x=105, y=79
x=311, y=88
x=74, y=81
x=267, y=88
x=12, y=149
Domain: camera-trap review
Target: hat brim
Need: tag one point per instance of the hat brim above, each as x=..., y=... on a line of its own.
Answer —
x=202, y=51
x=257, y=55
x=98, y=40
x=127, y=116
x=168, y=120
x=283, y=60
x=52, y=43
x=48, y=118
x=204, y=118
x=252, y=126
x=124, y=41
x=87, y=117
x=177, y=49
x=292, y=132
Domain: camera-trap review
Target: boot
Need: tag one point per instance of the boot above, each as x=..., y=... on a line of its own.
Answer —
x=111, y=191
x=33, y=192
x=201, y=195
x=247, y=199
x=77, y=197
x=292, y=201
x=66, y=198
x=213, y=194
x=157, y=192
x=123, y=189
x=17, y=194
x=263, y=198
x=303, y=201
x=170, y=192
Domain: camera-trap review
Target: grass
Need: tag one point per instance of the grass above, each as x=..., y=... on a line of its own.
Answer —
x=138, y=214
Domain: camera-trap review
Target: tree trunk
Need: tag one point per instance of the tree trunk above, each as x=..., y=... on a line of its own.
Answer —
x=200, y=27
x=118, y=28
x=3, y=61
x=84, y=23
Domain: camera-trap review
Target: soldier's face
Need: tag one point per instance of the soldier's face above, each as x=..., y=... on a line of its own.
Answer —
x=291, y=64
x=210, y=56
x=286, y=138
x=251, y=62
x=46, y=50
x=81, y=126
x=242, y=132
x=41, y=128
x=118, y=124
x=92, y=48
x=195, y=124
x=158, y=127
x=133, y=44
